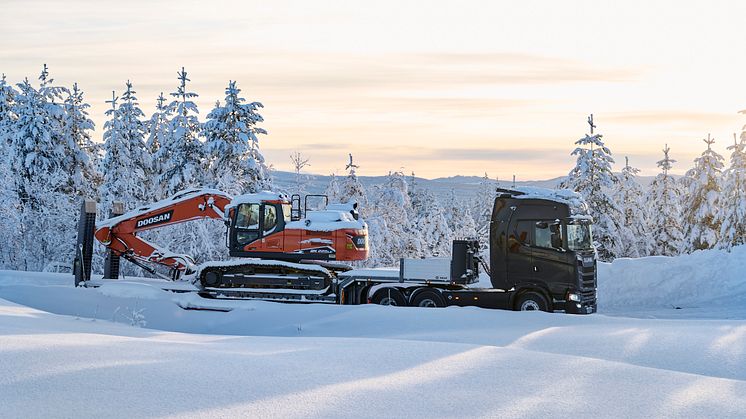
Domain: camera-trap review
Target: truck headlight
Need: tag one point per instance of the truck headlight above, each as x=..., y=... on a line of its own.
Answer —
x=573, y=297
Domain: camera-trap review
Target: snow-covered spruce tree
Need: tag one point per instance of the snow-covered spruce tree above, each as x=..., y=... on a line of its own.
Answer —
x=235, y=163
x=118, y=185
x=629, y=198
x=701, y=222
x=663, y=201
x=593, y=179
x=37, y=153
x=430, y=223
x=133, y=132
x=183, y=165
x=159, y=129
x=83, y=162
x=10, y=207
x=350, y=188
x=389, y=225
x=332, y=189
x=459, y=218
x=181, y=155
x=732, y=207
x=481, y=207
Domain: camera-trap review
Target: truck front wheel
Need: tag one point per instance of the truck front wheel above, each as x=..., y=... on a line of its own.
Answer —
x=389, y=297
x=532, y=301
x=428, y=298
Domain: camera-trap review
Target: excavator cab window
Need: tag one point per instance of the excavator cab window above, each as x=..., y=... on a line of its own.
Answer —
x=270, y=219
x=247, y=223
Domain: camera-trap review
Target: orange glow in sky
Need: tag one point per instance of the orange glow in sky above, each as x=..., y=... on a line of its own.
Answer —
x=439, y=88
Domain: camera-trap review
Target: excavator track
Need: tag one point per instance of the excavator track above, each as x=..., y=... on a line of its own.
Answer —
x=263, y=275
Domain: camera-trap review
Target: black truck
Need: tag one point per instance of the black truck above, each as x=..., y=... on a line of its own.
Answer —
x=541, y=258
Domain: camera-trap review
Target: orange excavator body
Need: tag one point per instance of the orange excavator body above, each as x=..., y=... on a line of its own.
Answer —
x=259, y=226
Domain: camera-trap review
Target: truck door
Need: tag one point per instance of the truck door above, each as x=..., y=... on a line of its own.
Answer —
x=519, y=258
x=553, y=264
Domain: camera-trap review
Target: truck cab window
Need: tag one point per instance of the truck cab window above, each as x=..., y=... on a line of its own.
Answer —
x=548, y=235
x=520, y=236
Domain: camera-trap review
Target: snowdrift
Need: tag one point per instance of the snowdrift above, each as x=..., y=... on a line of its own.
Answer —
x=704, y=279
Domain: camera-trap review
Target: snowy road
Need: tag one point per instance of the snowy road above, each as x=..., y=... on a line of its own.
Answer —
x=368, y=361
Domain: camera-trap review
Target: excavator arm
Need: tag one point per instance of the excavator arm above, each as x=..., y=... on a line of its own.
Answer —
x=120, y=233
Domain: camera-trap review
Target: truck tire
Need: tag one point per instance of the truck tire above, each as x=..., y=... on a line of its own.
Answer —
x=389, y=297
x=532, y=301
x=428, y=298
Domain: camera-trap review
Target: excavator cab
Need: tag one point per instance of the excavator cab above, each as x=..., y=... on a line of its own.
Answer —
x=258, y=227
x=272, y=226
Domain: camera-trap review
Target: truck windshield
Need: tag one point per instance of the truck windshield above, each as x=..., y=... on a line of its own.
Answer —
x=579, y=236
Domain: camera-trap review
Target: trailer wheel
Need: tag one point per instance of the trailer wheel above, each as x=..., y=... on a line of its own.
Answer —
x=389, y=297
x=532, y=301
x=428, y=298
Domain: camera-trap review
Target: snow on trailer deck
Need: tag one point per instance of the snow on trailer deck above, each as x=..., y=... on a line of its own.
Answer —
x=127, y=349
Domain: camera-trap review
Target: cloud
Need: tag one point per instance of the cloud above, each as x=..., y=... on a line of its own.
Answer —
x=673, y=117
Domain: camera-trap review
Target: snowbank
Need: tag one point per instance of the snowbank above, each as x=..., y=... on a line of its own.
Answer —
x=704, y=279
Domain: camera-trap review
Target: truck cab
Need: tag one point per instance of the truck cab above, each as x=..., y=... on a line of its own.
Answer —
x=543, y=244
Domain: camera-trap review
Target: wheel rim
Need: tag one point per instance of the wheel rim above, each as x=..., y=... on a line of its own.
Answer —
x=428, y=302
x=388, y=301
x=530, y=305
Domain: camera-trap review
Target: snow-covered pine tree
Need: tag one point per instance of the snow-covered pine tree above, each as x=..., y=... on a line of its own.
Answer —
x=732, y=208
x=37, y=153
x=181, y=154
x=236, y=164
x=83, y=162
x=593, y=179
x=629, y=198
x=701, y=219
x=663, y=202
x=299, y=163
x=158, y=128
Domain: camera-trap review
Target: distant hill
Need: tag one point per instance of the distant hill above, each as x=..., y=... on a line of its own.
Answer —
x=464, y=186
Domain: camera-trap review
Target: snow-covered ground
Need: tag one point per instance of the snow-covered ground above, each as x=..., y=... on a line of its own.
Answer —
x=128, y=349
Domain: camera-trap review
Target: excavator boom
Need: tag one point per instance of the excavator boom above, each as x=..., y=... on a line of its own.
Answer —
x=120, y=233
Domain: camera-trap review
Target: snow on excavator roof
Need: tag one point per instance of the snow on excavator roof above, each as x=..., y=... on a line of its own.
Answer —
x=257, y=198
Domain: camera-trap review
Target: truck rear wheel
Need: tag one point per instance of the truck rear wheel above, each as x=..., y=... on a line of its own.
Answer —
x=389, y=297
x=428, y=298
x=532, y=301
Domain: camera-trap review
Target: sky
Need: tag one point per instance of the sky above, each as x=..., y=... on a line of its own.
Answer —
x=438, y=88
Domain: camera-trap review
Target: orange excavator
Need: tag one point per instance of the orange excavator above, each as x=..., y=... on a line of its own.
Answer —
x=277, y=243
